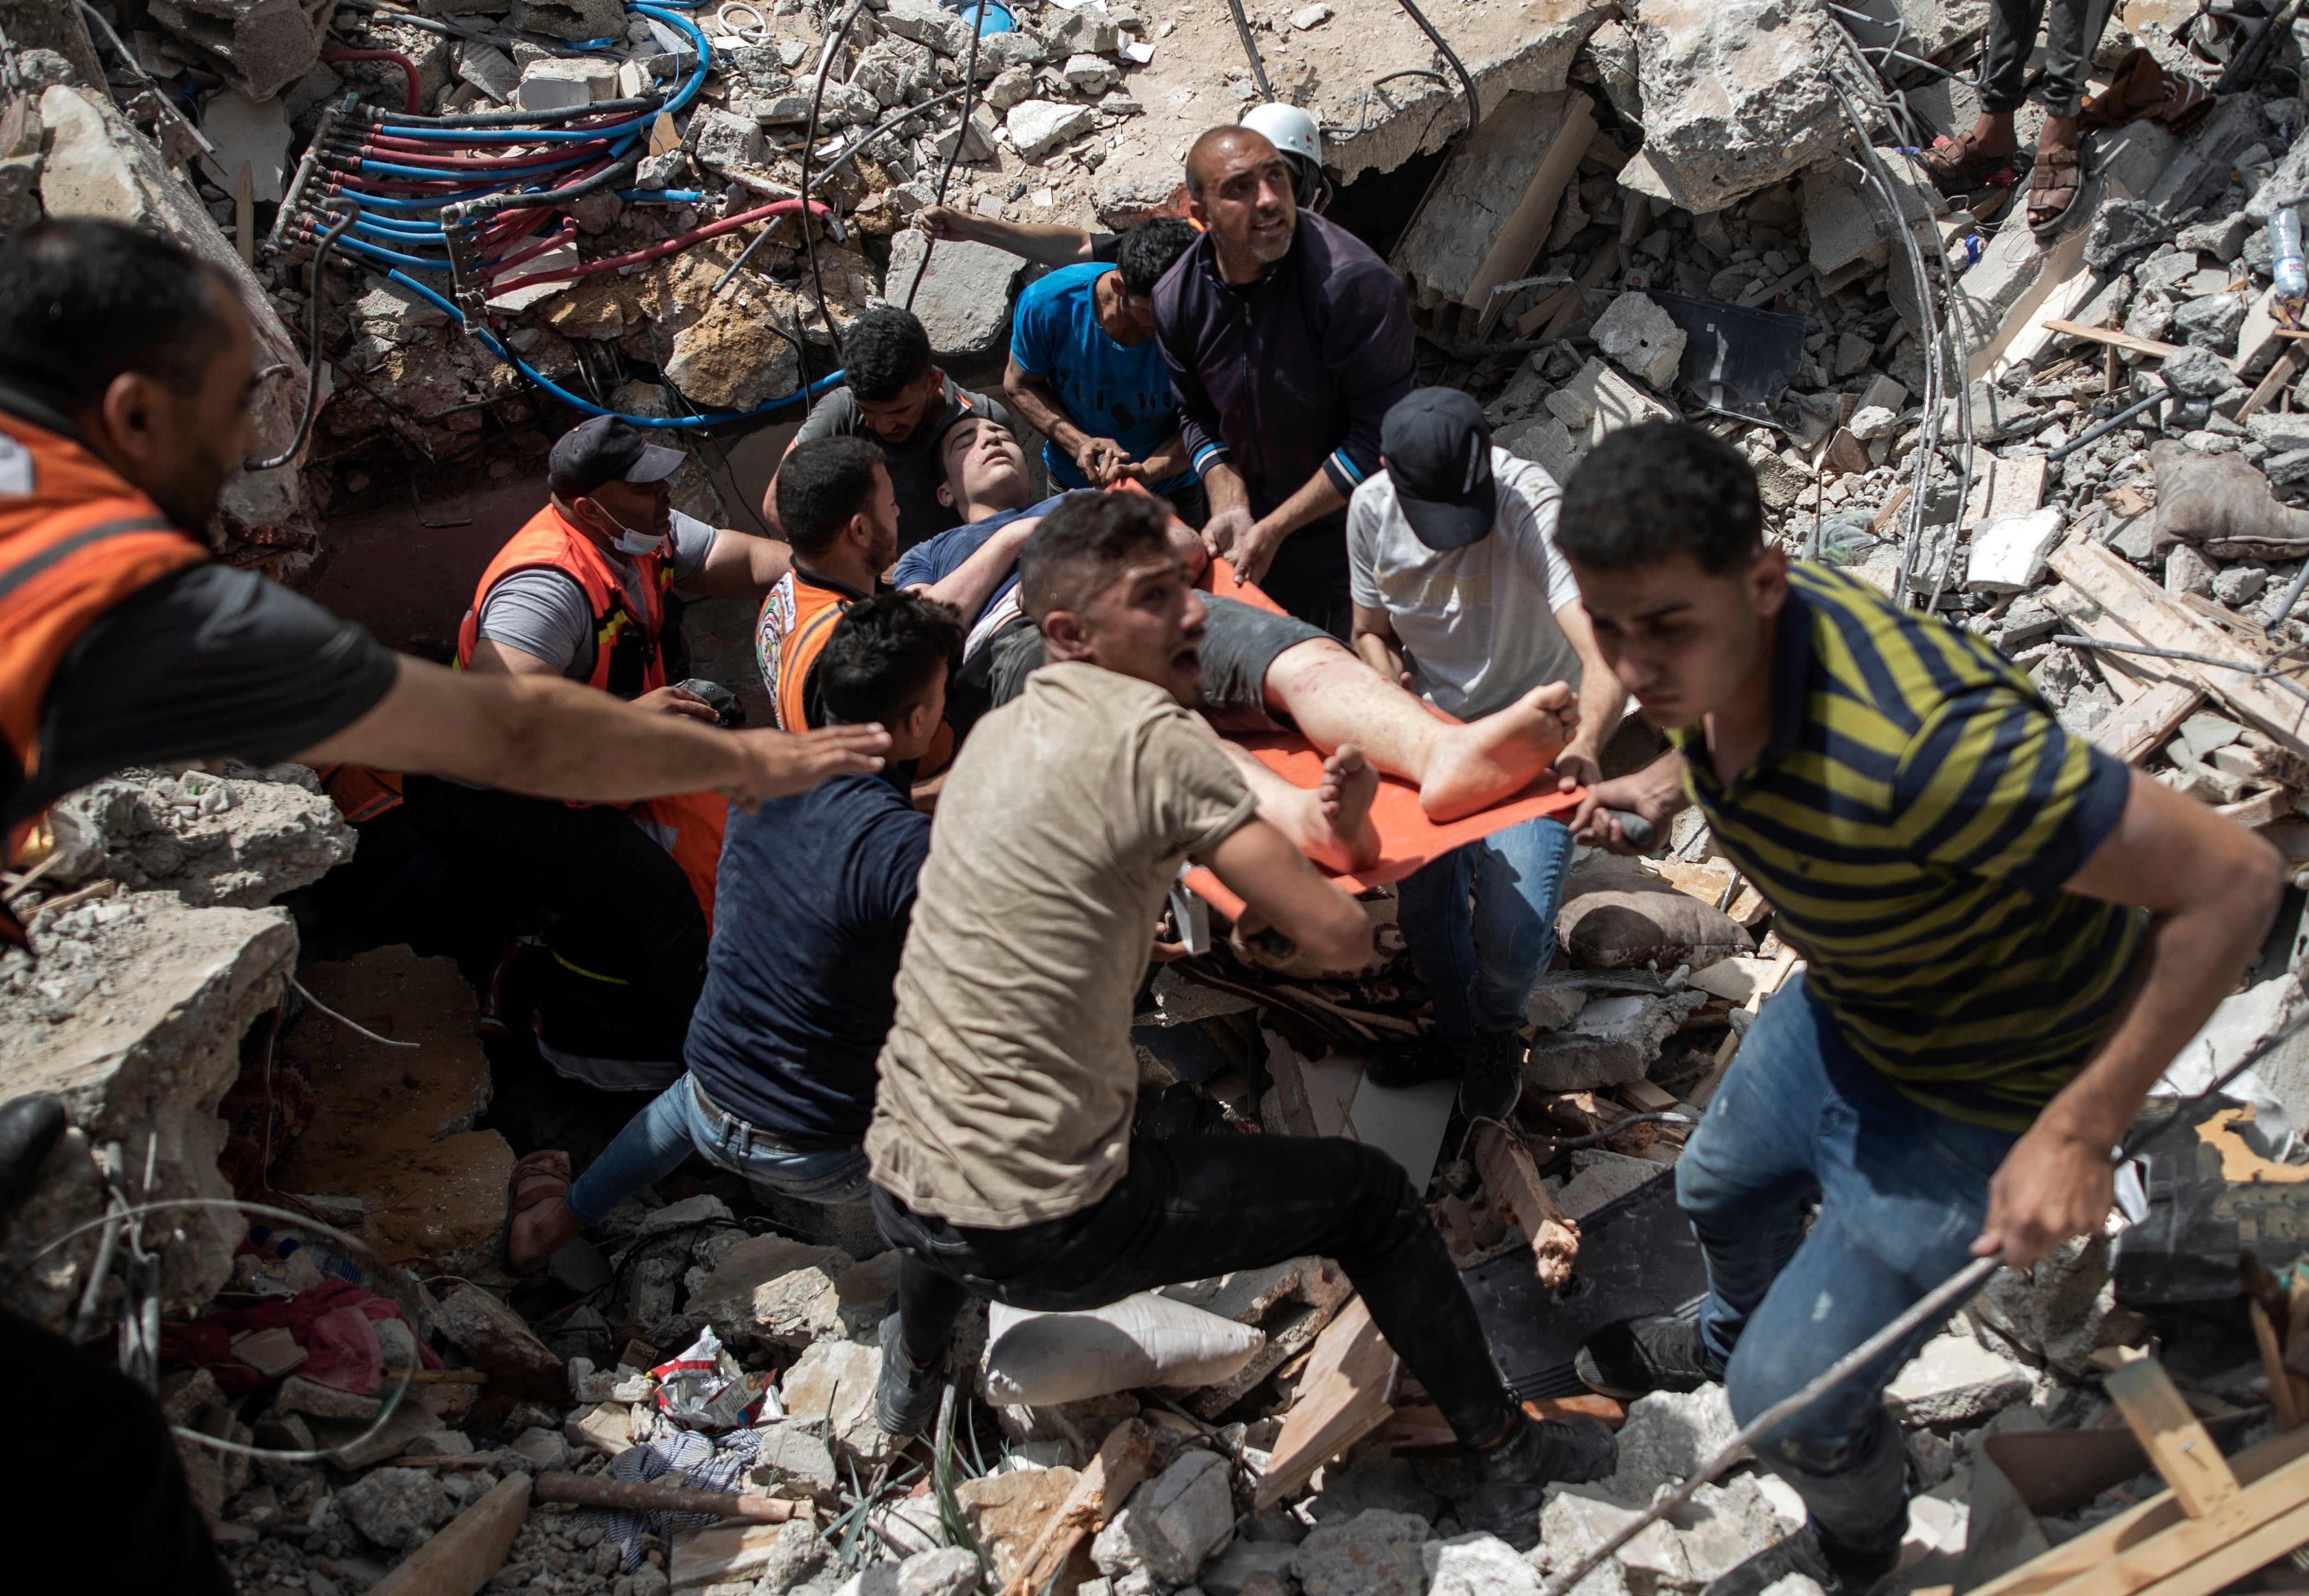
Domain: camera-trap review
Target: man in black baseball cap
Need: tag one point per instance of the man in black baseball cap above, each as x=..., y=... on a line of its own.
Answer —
x=587, y=590
x=1460, y=595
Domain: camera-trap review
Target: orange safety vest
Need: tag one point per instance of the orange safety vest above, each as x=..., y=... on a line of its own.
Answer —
x=360, y=793
x=626, y=658
x=625, y=662
x=790, y=632
x=76, y=540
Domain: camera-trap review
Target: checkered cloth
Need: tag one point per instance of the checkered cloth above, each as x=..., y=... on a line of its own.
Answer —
x=679, y=1457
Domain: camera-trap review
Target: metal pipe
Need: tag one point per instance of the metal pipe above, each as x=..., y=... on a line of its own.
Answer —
x=2102, y=429
x=352, y=209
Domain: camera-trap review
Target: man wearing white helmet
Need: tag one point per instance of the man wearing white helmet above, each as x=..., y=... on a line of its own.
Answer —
x=1294, y=134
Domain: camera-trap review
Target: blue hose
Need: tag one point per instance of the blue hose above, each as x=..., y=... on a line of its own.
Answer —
x=670, y=196
x=489, y=341
x=534, y=135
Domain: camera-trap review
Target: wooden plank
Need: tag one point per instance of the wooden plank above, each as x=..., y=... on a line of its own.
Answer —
x=2272, y=1364
x=1512, y=1180
x=2265, y=808
x=1560, y=307
x=2066, y=296
x=1346, y=1393
x=2287, y=367
x=244, y=214
x=1525, y=228
x=463, y=1558
x=2146, y=611
x=2230, y=1563
x=2147, y=723
x=2116, y=337
x=1104, y=1486
x=2170, y=1432
x=2062, y=261
x=2275, y=1474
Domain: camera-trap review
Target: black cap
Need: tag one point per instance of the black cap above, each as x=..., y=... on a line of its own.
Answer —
x=1438, y=455
x=606, y=449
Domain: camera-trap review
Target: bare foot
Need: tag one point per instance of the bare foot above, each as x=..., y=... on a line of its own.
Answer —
x=1477, y=764
x=538, y=1222
x=1350, y=783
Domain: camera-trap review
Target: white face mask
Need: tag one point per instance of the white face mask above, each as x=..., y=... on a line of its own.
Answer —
x=627, y=538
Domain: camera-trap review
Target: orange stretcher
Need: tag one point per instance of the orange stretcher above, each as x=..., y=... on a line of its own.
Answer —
x=1408, y=840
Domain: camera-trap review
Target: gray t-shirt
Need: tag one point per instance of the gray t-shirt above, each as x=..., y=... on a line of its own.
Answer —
x=915, y=476
x=544, y=613
x=1477, y=625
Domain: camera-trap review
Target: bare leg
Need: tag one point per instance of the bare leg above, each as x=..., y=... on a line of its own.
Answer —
x=1335, y=698
x=538, y=1233
x=1331, y=823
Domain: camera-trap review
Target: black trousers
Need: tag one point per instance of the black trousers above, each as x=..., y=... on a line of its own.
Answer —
x=628, y=936
x=1198, y=1206
x=2070, y=40
x=101, y=1486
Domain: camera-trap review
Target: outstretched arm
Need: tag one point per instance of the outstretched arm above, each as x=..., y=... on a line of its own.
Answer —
x=552, y=738
x=1602, y=700
x=1040, y=242
x=2211, y=888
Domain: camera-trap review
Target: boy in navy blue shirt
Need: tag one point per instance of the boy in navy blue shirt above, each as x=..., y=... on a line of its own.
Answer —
x=813, y=900
x=1085, y=371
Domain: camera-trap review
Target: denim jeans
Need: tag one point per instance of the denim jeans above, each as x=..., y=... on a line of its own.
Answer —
x=1902, y=1192
x=1481, y=924
x=1198, y=1206
x=681, y=1120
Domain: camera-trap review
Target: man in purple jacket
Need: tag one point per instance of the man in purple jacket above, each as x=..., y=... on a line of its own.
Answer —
x=1288, y=340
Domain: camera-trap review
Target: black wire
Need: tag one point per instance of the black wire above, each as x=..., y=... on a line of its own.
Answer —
x=1568, y=1143
x=832, y=47
x=961, y=137
x=1257, y=67
x=351, y=208
x=1474, y=106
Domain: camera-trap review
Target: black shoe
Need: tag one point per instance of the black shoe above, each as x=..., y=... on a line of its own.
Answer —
x=1837, y=1572
x=905, y=1396
x=1636, y=1356
x=1414, y=1063
x=1493, y=1082
x=1547, y=1452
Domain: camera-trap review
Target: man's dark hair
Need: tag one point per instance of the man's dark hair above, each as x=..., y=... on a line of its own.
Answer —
x=883, y=655
x=1078, y=548
x=883, y=350
x=1646, y=494
x=1147, y=250
x=82, y=301
x=820, y=485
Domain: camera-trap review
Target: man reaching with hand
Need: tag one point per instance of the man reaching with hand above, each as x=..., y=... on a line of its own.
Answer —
x=1985, y=1002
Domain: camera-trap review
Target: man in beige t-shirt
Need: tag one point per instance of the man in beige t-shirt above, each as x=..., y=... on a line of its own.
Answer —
x=1000, y=1146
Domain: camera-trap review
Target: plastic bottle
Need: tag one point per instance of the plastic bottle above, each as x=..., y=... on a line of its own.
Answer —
x=2285, y=263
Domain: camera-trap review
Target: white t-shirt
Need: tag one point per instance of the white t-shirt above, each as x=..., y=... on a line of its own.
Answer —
x=1477, y=625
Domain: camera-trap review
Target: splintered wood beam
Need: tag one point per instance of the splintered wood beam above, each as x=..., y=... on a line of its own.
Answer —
x=1511, y=1179
x=1104, y=1486
x=2170, y=1432
x=1347, y=1392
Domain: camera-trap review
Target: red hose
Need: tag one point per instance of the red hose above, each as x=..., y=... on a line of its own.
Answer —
x=498, y=269
x=408, y=68
x=679, y=241
x=410, y=152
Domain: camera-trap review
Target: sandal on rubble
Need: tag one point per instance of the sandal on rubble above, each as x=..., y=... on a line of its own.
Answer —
x=1958, y=165
x=537, y=1177
x=2053, y=183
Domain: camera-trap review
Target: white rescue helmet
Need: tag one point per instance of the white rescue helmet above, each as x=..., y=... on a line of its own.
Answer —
x=1298, y=137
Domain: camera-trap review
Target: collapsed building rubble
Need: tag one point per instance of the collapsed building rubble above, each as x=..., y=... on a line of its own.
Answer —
x=1666, y=212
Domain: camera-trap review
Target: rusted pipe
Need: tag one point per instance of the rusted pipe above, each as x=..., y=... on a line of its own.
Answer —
x=591, y=1491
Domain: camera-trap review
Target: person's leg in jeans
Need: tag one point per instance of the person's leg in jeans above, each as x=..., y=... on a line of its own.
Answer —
x=1198, y=1206
x=1481, y=925
x=652, y=1147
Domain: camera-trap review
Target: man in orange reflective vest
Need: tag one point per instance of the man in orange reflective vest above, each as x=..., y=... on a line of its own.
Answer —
x=623, y=897
x=126, y=369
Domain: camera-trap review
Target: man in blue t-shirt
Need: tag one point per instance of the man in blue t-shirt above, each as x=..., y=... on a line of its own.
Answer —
x=1086, y=370
x=800, y=976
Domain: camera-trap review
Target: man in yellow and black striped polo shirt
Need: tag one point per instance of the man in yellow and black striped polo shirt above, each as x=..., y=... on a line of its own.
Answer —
x=2007, y=936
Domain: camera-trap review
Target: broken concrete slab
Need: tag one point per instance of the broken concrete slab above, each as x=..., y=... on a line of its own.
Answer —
x=1373, y=1553
x=1485, y=218
x=767, y=1289
x=1596, y=400
x=1847, y=219
x=248, y=132
x=1615, y=1039
x=134, y=1017
x=1004, y=1513
x=394, y=1118
x=1290, y=1302
x=2009, y=554
x=1641, y=338
x=1667, y=1437
x=1038, y=126
x=499, y=1341
x=1954, y=1383
x=238, y=841
x=1735, y=98
x=831, y=1388
x=965, y=298
x=1173, y=1523
x=261, y=45
x=1600, y=1179
x=99, y=165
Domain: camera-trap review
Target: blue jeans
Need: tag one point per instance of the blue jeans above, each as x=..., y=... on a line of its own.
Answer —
x=1902, y=1192
x=1481, y=924
x=681, y=1120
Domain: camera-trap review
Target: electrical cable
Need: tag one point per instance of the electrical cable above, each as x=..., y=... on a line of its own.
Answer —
x=408, y=69
x=1474, y=105
x=312, y=348
x=1250, y=49
x=961, y=137
x=833, y=47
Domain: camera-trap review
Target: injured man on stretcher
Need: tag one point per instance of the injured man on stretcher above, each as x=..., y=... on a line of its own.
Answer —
x=1262, y=671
